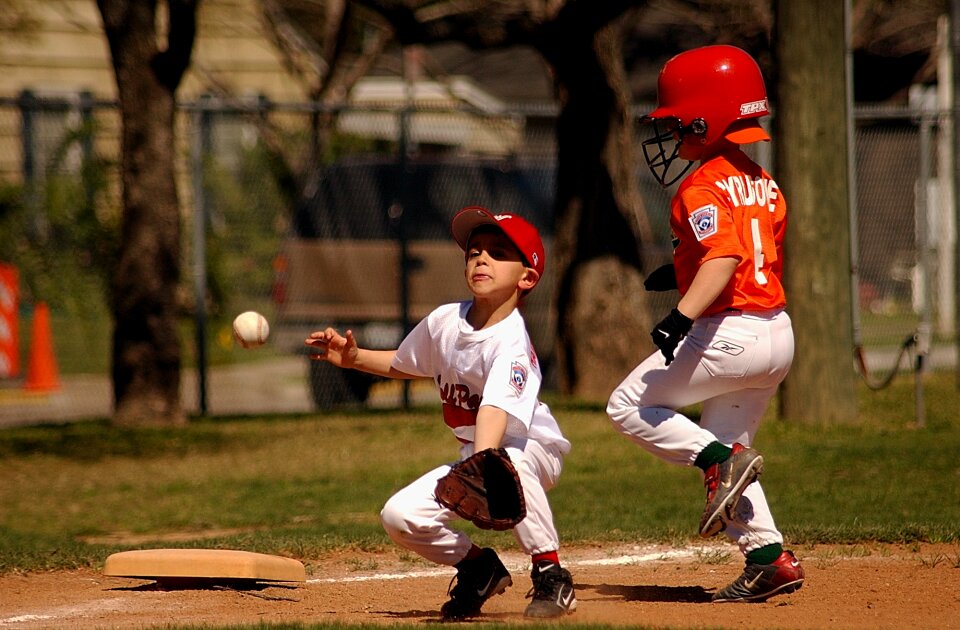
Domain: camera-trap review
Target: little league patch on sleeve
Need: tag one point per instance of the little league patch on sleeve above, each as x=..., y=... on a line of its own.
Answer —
x=518, y=377
x=704, y=221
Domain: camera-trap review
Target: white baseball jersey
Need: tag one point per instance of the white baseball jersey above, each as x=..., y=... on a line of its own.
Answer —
x=494, y=366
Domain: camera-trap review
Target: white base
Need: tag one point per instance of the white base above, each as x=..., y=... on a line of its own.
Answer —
x=203, y=563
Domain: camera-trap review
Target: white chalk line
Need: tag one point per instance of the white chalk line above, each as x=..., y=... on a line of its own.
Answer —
x=622, y=560
x=615, y=561
x=66, y=612
x=24, y=618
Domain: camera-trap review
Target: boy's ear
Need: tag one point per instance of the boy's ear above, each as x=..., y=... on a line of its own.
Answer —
x=529, y=279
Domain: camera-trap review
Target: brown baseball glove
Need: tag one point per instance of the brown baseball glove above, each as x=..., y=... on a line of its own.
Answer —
x=484, y=489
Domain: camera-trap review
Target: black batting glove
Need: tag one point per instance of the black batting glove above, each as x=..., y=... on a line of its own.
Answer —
x=661, y=279
x=668, y=333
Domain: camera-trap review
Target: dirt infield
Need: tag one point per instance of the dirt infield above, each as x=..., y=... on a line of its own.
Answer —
x=875, y=586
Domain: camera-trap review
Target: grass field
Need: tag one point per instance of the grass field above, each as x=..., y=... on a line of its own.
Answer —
x=303, y=486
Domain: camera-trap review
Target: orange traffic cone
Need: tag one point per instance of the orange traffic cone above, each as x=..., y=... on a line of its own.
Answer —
x=42, y=365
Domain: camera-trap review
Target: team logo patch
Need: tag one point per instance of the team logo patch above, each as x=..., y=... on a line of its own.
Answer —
x=518, y=377
x=704, y=221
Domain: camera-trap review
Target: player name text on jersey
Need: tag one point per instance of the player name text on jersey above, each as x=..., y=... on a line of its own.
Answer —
x=743, y=190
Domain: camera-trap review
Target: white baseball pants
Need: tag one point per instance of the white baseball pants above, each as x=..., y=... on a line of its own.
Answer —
x=414, y=520
x=732, y=363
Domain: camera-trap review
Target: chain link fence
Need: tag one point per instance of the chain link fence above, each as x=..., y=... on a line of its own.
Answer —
x=905, y=242
x=315, y=216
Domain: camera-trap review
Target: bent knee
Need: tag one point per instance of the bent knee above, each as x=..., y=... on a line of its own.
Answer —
x=402, y=522
x=620, y=406
x=395, y=520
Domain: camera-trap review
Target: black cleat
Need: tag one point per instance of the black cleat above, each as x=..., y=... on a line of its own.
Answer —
x=761, y=581
x=477, y=581
x=552, y=592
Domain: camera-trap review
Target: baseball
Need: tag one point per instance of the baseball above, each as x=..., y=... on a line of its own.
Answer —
x=251, y=329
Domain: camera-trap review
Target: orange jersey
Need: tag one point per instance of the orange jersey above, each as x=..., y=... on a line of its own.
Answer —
x=730, y=207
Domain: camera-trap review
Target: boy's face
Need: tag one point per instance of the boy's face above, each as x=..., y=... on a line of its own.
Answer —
x=690, y=149
x=494, y=266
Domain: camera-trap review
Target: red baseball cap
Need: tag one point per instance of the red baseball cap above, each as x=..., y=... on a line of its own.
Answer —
x=518, y=230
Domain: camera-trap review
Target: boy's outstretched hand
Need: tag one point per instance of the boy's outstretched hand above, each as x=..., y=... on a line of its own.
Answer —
x=333, y=347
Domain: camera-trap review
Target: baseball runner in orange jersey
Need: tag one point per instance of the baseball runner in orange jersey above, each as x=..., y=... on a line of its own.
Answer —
x=729, y=342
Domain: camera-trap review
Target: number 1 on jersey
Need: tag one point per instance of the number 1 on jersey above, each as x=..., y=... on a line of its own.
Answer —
x=758, y=273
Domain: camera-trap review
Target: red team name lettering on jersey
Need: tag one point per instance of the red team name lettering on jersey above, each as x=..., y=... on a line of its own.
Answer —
x=459, y=405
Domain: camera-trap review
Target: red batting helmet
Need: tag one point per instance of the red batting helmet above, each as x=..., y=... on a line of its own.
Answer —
x=705, y=94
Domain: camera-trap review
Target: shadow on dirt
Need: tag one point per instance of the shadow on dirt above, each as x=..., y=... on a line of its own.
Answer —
x=243, y=586
x=682, y=594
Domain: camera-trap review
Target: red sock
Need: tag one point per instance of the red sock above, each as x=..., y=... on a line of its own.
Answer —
x=472, y=554
x=550, y=556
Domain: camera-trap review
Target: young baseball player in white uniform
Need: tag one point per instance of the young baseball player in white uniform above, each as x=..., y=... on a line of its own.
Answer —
x=480, y=356
x=728, y=343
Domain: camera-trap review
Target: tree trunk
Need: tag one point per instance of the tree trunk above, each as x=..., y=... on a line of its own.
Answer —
x=599, y=220
x=603, y=323
x=146, y=341
x=811, y=145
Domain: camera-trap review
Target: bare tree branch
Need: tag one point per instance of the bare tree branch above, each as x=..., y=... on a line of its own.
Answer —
x=373, y=47
x=301, y=55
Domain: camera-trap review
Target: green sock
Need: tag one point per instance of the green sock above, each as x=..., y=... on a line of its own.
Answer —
x=765, y=555
x=713, y=453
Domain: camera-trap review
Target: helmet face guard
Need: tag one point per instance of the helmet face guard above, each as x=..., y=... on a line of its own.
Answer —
x=662, y=148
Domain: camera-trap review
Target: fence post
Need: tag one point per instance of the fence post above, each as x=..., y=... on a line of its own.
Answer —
x=946, y=228
x=852, y=205
x=396, y=210
x=923, y=275
x=86, y=142
x=199, y=147
x=28, y=105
